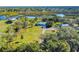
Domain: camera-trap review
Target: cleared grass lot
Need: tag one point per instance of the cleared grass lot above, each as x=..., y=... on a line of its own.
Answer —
x=30, y=35
x=3, y=25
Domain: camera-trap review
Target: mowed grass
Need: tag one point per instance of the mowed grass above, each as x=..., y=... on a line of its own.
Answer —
x=3, y=25
x=30, y=35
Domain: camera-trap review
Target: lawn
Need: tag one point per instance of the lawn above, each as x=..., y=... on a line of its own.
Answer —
x=30, y=35
x=3, y=25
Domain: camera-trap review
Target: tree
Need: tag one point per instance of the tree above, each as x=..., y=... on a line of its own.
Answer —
x=17, y=26
x=44, y=19
x=71, y=36
x=9, y=22
x=51, y=43
x=31, y=47
x=49, y=24
x=25, y=24
x=58, y=46
x=22, y=37
x=66, y=39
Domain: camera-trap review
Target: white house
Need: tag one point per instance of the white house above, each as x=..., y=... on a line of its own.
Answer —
x=13, y=18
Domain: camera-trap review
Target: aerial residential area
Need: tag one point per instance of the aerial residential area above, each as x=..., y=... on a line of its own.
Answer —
x=39, y=29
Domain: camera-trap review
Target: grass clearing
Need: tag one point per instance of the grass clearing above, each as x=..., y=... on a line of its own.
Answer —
x=3, y=25
x=30, y=35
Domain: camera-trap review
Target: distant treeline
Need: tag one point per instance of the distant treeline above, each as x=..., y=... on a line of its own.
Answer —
x=38, y=11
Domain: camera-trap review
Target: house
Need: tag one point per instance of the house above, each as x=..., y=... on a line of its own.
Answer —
x=2, y=17
x=30, y=16
x=64, y=25
x=13, y=18
x=60, y=15
x=42, y=24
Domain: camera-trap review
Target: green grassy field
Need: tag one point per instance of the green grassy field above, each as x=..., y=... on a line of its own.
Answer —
x=3, y=25
x=30, y=35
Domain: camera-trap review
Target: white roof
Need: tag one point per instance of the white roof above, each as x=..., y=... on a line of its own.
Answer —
x=52, y=28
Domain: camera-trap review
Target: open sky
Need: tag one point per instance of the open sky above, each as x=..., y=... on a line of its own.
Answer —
x=39, y=2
